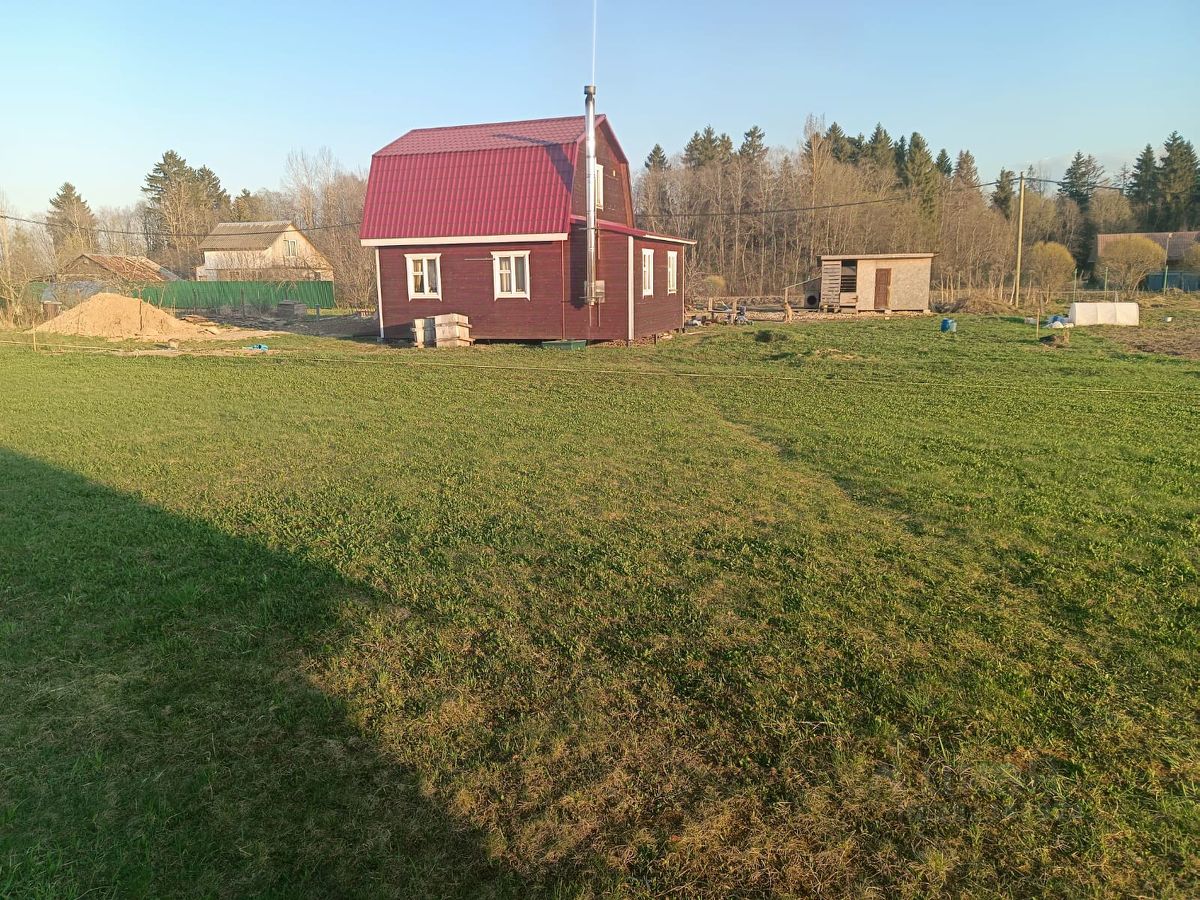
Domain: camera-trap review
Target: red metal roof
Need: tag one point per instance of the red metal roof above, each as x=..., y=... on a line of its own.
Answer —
x=475, y=180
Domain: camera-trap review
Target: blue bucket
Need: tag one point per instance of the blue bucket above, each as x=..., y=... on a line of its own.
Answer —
x=949, y=325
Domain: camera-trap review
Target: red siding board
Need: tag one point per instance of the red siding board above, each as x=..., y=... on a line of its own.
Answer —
x=468, y=288
x=618, y=203
x=661, y=311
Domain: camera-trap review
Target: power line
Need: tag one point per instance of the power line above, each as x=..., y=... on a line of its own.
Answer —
x=1097, y=187
x=165, y=234
x=714, y=214
x=898, y=198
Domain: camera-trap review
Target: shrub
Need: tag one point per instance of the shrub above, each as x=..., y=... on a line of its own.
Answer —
x=1130, y=259
x=1050, y=266
x=1191, y=259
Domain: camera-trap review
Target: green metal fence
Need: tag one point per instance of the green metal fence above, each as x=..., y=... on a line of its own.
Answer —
x=236, y=294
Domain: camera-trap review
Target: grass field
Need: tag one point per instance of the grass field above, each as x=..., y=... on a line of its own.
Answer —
x=866, y=610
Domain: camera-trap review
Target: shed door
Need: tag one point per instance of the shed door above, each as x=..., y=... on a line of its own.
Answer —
x=883, y=288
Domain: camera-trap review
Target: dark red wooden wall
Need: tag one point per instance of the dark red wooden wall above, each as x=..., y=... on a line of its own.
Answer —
x=552, y=310
x=618, y=198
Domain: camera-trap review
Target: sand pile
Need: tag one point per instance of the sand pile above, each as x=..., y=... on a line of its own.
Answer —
x=116, y=317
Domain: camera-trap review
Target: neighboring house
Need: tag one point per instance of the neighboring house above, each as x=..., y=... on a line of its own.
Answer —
x=1176, y=243
x=261, y=251
x=114, y=269
x=489, y=221
x=881, y=282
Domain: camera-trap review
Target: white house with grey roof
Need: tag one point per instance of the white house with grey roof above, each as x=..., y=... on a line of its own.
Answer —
x=261, y=251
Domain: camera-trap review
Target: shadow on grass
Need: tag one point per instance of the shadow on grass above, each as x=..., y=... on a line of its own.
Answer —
x=160, y=734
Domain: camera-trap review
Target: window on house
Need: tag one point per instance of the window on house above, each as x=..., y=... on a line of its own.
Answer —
x=289, y=248
x=424, y=276
x=599, y=186
x=672, y=271
x=510, y=273
x=647, y=273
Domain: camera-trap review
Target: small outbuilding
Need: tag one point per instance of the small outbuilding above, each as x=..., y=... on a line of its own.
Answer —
x=866, y=282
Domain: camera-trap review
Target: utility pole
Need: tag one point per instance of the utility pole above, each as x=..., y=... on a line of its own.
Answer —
x=1020, y=242
x=4, y=250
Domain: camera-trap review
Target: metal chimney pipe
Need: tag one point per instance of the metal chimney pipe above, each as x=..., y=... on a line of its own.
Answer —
x=589, y=94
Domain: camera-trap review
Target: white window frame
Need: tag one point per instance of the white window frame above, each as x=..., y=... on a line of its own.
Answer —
x=599, y=185
x=647, y=272
x=425, y=259
x=513, y=256
x=672, y=271
x=289, y=248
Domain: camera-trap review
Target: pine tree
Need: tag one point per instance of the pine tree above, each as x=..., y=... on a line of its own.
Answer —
x=181, y=202
x=215, y=196
x=724, y=148
x=855, y=147
x=754, y=145
x=1081, y=179
x=920, y=173
x=657, y=160
x=1004, y=193
x=878, y=150
x=703, y=149
x=1177, y=179
x=899, y=157
x=1143, y=184
x=839, y=146
x=73, y=225
x=247, y=207
x=965, y=171
x=172, y=169
x=943, y=163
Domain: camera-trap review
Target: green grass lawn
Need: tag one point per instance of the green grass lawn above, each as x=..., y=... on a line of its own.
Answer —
x=847, y=608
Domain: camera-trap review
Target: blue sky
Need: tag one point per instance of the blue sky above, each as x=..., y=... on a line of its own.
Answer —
x=95, y=93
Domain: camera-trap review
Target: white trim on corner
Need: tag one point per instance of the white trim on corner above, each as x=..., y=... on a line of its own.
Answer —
x=630, y=279
x=379, y=293
x=461, y=239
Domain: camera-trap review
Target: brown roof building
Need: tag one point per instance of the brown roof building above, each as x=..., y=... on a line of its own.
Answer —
x=109, y=267
x=1176, y=243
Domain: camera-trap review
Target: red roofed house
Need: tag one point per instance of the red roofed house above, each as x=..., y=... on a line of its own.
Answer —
x=490, y=221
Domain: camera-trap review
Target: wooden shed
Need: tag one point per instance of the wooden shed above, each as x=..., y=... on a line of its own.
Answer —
x=879, y=282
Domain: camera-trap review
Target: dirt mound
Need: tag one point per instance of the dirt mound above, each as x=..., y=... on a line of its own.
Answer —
x=116, y=317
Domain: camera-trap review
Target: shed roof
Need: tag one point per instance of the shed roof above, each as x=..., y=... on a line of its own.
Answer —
x=504, y=178
x=1176, y=243
x=129, y=268
x=245, y=235
x=878, y=256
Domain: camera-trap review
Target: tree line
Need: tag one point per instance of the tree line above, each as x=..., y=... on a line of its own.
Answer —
x=761, y=217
